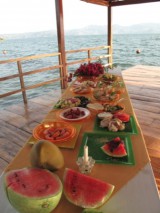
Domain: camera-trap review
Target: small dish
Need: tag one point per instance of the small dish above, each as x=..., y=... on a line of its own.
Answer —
x=54, y=131
x=74, y=114
x=114, y=108
x=95, y=108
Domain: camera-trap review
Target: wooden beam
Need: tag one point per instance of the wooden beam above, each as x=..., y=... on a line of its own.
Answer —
x=99, y=2
x=118, y=2
x=61, y=41
x=110, y=34
x=129, y=2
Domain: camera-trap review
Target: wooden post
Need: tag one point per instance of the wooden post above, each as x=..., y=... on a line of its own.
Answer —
x=110, y=34
x=89, y=56
x=61, y=40
x=22, y=81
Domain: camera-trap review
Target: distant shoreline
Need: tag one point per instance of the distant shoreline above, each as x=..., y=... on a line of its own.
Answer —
x=149, y=28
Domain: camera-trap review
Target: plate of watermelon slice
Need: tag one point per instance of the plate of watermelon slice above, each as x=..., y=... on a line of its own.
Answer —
x=108, y=148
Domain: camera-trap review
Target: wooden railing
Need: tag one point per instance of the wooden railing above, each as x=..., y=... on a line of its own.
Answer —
x=61, y=78
x=90, y=57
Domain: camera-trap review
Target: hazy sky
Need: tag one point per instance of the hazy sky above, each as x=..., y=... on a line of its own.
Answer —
x=18, y=16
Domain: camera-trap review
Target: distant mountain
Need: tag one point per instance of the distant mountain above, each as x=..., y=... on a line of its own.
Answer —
x=29, y=35
x=149, y=28
x=88, y=30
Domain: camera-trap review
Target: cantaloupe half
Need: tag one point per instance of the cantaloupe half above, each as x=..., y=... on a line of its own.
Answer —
x=45, y=154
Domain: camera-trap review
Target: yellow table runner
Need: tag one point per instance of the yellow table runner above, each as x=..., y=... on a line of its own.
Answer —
x=115, y=174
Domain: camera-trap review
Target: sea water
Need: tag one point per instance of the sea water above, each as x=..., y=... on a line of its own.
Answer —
x=124, y=56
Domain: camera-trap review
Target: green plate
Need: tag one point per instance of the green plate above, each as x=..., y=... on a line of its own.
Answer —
x=96, y=140
x=130, y=127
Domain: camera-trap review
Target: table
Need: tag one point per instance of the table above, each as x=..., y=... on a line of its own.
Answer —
x=135, y=187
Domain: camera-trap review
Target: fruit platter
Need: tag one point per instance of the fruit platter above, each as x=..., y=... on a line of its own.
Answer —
x=74, y=114
x=106, y=148
x=54, y=131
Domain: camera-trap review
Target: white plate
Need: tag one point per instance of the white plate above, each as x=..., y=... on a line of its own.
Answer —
x=86, y=111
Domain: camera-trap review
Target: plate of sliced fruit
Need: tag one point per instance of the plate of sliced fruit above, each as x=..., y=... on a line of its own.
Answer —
x=54, y=131
x=107, y=148
x=74, y=114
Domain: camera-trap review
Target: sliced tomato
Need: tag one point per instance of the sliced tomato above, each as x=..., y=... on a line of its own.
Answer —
x=124, y=117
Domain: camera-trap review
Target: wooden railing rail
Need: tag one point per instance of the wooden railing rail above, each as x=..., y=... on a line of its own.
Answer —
x=25, y=58
x=90, y=57
x=60, y=66
x=21, y=74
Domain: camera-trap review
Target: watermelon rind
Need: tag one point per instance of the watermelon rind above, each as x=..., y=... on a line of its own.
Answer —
x=116, y=154
x=85, y=191
x=25, y=204
x=91, y=211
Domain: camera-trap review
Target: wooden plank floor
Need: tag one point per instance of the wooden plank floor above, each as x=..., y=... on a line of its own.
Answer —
x=143, y=84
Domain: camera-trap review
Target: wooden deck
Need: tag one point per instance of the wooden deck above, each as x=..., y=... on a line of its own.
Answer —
x=143, y=83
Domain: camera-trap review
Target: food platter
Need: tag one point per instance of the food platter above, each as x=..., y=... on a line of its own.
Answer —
x=130, y=127
x=54, y=131
x=95, y=141
x=105, y=97
x=81, y=90
x=67, y=103
x=74, y=114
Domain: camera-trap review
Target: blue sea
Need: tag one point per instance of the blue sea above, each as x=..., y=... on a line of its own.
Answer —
x=124, y=55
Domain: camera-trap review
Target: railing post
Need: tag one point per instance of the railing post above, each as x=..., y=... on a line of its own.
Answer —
x=89, y=56
x=110, y=35
x=22, y=82
x=61, y=40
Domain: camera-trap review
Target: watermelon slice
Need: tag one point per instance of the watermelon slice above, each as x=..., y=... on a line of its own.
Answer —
x=85, y=191
x=33, y=190
x=115, y=148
